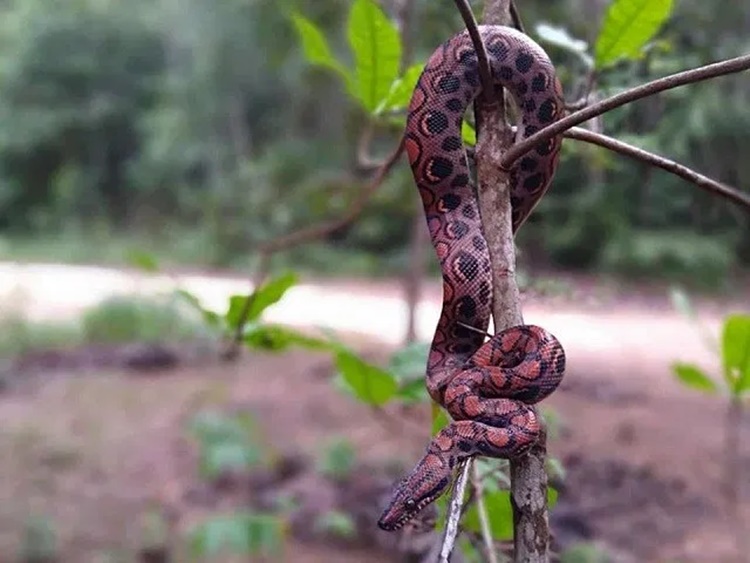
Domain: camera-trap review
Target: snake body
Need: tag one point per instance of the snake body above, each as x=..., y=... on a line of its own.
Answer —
x=485, y=387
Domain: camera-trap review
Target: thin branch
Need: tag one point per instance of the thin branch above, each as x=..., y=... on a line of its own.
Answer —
x=528, y=478
x=516, y=17
x=484, y=520
x=712, y=186
x=485, y=73
x=327, y=227
x=737, y=64
x=454, y=512
x=261, y=273
x=265, y=251
x=583, y=98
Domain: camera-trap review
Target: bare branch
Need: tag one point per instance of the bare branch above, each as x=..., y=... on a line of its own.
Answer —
x=261, y=273
x=737, y=64
x=528, y=478
x=516, y=17
x=484, y=520
x=703, y=182
x=327, y=227
x=301, y=236
x=485, y=73
x=454, y=512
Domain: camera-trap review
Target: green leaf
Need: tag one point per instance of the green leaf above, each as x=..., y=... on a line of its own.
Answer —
x=369, y=383
x=500, y=514
x=275, y=338
x=262, y=298
x=560, y=37
x=401, y=90
x=241, y=534
x=735, y=345
x=315, y=46
x=692, y=376
x=468, y=133
x=210, y=317
x=628, y=26
x=142, y=260
x=377, y=52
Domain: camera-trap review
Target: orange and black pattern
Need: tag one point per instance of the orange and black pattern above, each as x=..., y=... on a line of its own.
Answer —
x=486, y=387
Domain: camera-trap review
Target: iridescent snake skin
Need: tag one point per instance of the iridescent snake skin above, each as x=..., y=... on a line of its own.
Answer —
x=485, y=387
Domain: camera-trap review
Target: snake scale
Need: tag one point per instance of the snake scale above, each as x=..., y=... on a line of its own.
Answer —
x=485, y=387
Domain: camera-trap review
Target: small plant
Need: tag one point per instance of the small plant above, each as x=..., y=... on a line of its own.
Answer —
x=734, y=384
x=241, y=533
x=39, y=543
x=226, y=443
x=336, y=523
x=337, y=459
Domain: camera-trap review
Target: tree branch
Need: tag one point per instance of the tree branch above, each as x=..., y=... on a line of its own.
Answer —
x=737, y=64
x=327, y=227
x=516, y=17
x=455, y=509
x=703, y=182
x=527, y=473
x=484, y=520
x=485, y=72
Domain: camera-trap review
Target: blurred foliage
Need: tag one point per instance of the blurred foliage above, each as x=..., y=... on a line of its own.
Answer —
x=129, y=318
x=202, y=129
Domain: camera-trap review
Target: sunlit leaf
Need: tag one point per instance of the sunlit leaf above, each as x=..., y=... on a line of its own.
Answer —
x=376, y=44
x=693, y=377
x=315, y=46
x=369, y=383
x=468, y=133
x=628, y=26
x=262, y=298
x=735, y=343
x=401, y=90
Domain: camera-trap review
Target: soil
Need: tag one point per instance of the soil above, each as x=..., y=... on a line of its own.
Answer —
x=97, y=443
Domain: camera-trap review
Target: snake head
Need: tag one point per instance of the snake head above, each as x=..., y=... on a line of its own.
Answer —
x=427, y=481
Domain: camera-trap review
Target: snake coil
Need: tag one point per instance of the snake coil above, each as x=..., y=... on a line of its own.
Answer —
x=485, y=387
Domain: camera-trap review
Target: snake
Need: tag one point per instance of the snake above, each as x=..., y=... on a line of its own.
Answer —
x=488, y=388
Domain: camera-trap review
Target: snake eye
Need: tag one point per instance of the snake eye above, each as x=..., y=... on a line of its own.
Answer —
x=409, y=504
